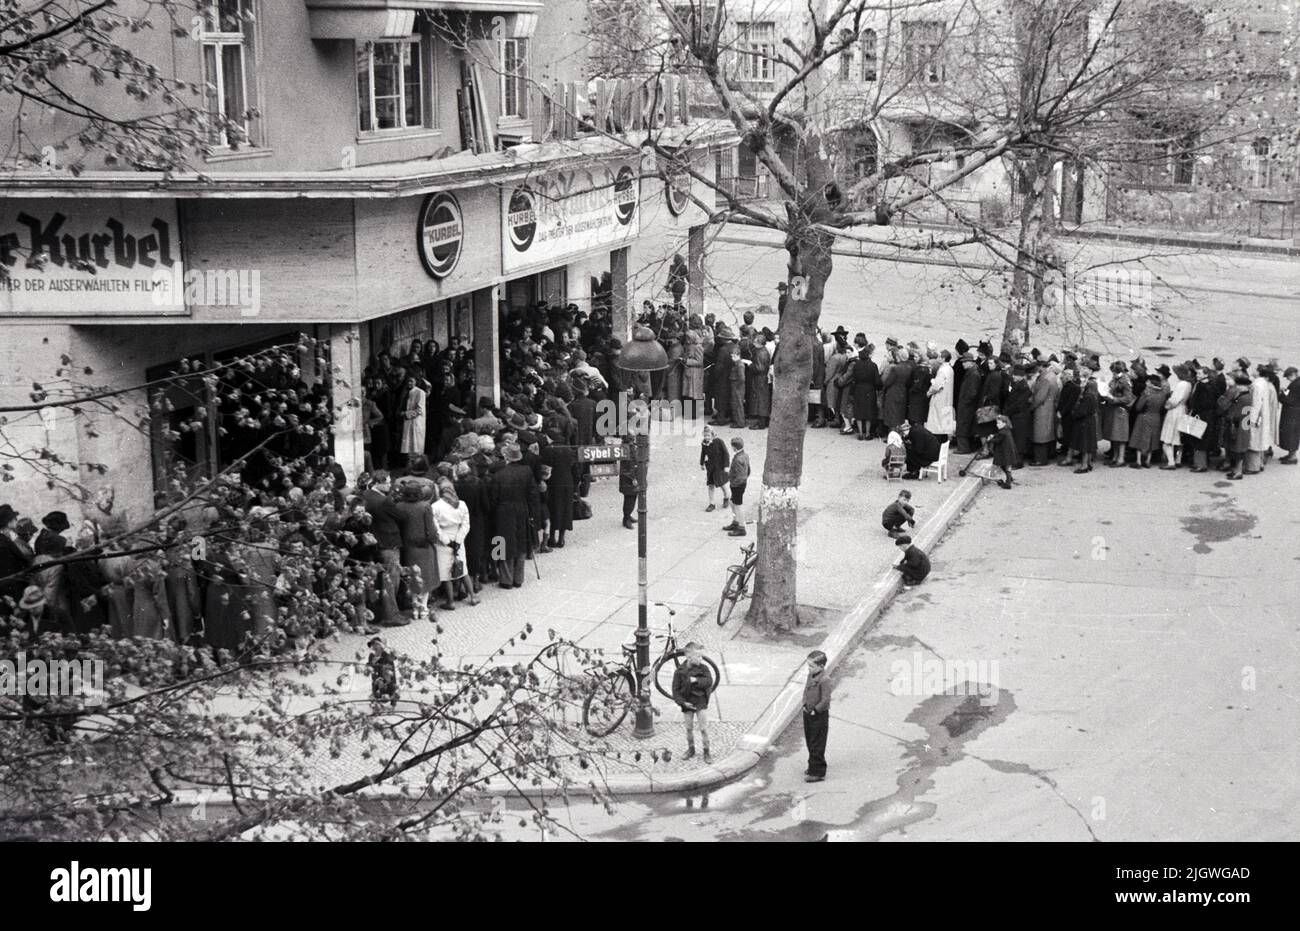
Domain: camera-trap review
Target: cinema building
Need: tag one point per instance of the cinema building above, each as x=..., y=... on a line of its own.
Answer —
x=373, y=207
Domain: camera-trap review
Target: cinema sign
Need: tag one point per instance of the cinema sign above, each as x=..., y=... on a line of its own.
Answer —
x=89, y=257
x=549, y=219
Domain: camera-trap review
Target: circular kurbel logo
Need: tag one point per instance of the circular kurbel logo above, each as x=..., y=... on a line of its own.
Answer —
x=521, y=218
x=442, y=234
x=625, y=195
x=677, y=190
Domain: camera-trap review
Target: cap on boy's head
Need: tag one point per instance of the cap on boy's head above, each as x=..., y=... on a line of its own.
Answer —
x=904, y=540
x=738, y=442
x=905, y=494
x=817, y=657
x=694, y=646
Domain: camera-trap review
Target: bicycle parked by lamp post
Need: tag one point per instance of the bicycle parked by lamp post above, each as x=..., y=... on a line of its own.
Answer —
x=613, y=693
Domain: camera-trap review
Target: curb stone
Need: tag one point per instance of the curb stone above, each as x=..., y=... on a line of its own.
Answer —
x=770, y=724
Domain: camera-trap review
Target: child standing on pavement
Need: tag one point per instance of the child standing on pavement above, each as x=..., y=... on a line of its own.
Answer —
x=898, y=513
x=739, y=478
x=816, y=716
x=714, y=460
x=692, y=686
x=915, y=565
x=1003, y=445
x=383, y=675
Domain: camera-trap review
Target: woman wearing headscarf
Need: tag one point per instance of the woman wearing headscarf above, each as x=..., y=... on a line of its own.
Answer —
x=451, y=519
x=1115, y=407
x=1288, y=434
x=894, y=389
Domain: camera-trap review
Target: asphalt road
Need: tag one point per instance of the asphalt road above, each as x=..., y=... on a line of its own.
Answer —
x=1111, y=656
x=1178, y=304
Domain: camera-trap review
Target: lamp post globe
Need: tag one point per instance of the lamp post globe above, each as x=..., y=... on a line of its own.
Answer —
x=644, y=353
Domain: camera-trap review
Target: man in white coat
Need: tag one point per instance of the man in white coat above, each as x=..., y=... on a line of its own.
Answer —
x=942, y=420
x=1263, y=421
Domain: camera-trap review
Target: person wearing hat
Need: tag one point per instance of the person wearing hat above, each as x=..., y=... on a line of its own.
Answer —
x=1115, y=412
x=967, y=378
x=721, y=381
x=1083, y=421
x=758, y=384
x=1020, y=415
x=1203, y=404
x=515, y=502
x=1042, y=406
x=1288, y=433
x=1148, y=410
x=864, y=377
x=50, y=541
x=894, y=381
x=14, y=561
x=839, y=365
x=1263, y=420
x=915, y=565
x=942, y=417
x=736, y=376
x=414, y=418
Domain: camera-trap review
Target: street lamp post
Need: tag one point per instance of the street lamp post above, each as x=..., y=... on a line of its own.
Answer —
x=643, y=354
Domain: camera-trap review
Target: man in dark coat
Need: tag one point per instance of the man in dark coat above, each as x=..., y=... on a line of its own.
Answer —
x=918, y=393
x=627, y=482
x=1083, y=421
x=817, y=384
x=736, y=374
x=583, y=410
x=966, y=381
x=721, y=379
x=922, y=448
x=993, y=389
x=516, y=507
x=560, y=487
x=1020, y=412
x=1065, y=401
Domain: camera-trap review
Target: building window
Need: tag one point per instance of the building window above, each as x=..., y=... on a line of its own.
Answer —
x=870, y=61
x=757, y=46
x=514, y=78
x=390, y=84
x=846, y=64
x=1184, y=159
x=923, y=51
x=227, y=42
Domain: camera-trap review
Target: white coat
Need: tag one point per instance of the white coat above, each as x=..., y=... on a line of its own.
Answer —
x=942, y=419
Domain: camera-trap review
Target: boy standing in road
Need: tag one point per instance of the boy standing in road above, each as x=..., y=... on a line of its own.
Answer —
x=739, y=478
x=898, y=513
x=816, y=716
x=692, y=685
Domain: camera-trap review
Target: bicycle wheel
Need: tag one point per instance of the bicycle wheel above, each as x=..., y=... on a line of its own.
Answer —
x=731, y=592
x=608, y=703
x=672, y=661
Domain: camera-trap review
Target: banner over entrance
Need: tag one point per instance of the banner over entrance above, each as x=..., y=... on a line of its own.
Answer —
x=89, y=257
x=552, y=218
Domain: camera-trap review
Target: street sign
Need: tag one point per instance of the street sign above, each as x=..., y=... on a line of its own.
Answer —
x=603, y=453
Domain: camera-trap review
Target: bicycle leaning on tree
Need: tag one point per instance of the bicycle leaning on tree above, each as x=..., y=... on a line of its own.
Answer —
x=613, y=692
x=737, y=584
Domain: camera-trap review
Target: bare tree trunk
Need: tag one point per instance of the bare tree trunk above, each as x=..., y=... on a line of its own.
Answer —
x=775, y=603
x=1026, y=303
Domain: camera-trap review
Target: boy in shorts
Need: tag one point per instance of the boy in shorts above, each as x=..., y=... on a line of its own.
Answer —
x=739, y=478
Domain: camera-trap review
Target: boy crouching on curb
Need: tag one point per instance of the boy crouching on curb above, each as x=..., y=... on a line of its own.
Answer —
x=692, y=686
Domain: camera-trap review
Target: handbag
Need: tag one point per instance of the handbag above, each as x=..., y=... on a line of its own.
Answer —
x=581, y=510
x=1192, y=426
x=986, y=414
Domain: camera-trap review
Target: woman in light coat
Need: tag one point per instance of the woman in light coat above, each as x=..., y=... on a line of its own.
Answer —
x=693, y=372
x=1046, y=389
x=942, y=419
x=1263, y=421
x=415, y=418
x=1180, y=388
x=451, y=520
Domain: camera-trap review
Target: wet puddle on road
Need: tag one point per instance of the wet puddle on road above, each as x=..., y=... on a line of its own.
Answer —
x=1217, y=522
x=950, y=722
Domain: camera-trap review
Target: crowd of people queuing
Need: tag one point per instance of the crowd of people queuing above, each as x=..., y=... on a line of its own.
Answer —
x=459, y=492
x=1032, y=409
